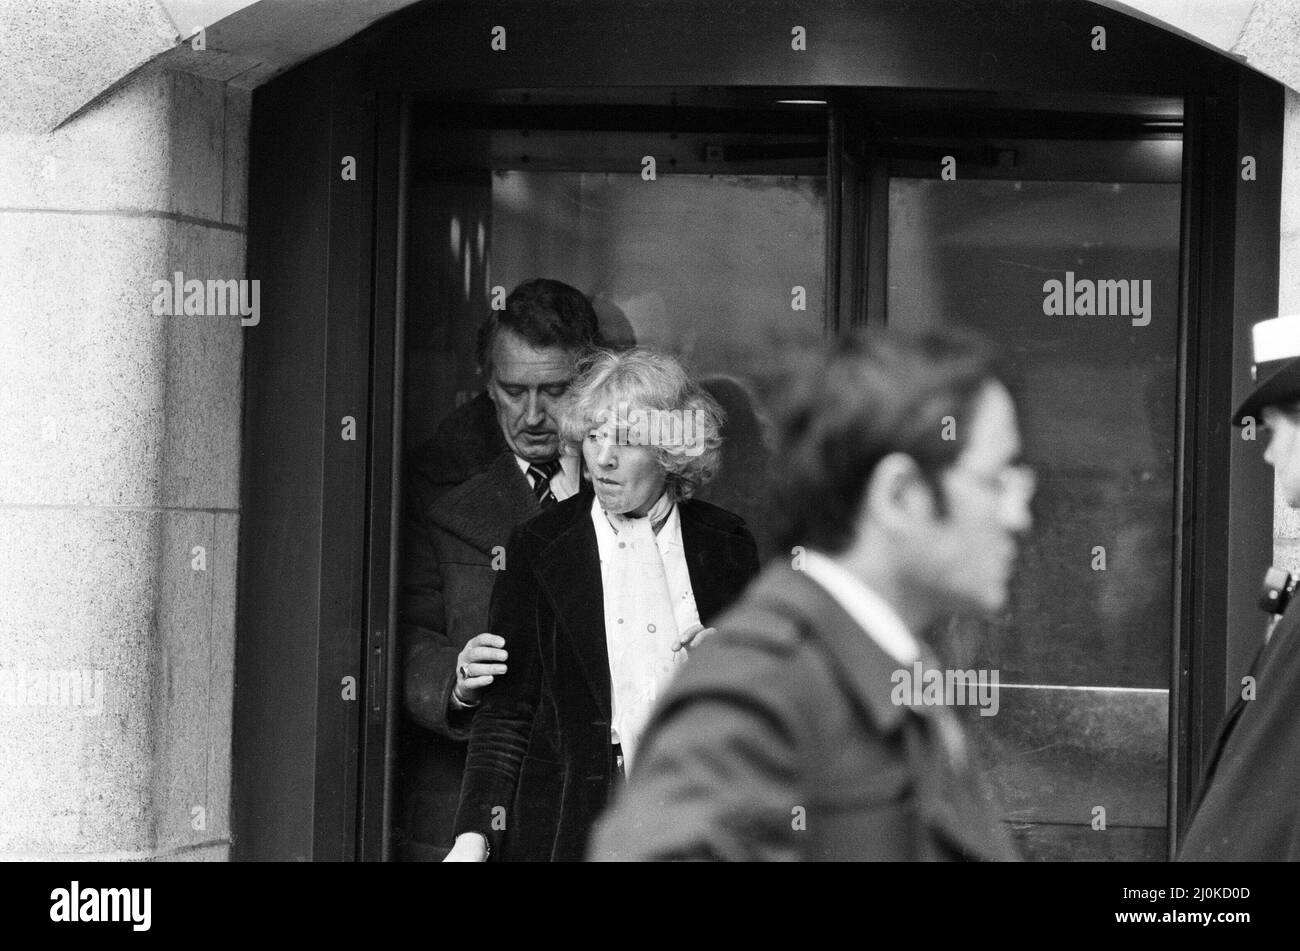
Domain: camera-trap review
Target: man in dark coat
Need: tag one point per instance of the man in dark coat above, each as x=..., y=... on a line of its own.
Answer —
x=1249, y=803
x=491, y=464
x=790, y=735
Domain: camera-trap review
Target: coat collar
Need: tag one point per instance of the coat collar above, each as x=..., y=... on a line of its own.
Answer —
x=867, y=668
x=485, y=509
x=465, y=443
x=717, y=559
x=568, y=567
x=862, y=664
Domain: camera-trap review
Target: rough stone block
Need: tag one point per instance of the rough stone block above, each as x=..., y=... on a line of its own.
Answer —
x=1269, y=40
x=1291, y=165
x=221, y=689
x=193, y=568
x=101, y=401
x=78, y=589
x=82, y=363
x=197, y=146
x=239, y=107
x=204, y=379
x=159, y=143
x=59, y=55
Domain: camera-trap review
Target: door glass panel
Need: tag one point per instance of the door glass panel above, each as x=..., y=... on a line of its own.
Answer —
x=726, y=271
x=1083, y=648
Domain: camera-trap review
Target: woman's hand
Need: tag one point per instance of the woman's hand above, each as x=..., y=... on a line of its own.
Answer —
x=480, y=661
x=469, y=847
x=691, y=637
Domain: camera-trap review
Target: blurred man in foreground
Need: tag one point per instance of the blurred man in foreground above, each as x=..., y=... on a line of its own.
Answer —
x=794, y=732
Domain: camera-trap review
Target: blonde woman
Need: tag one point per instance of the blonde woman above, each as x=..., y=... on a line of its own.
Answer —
x=601, y=597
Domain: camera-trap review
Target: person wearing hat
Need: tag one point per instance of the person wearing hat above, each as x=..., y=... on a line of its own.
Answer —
x=1248, y=807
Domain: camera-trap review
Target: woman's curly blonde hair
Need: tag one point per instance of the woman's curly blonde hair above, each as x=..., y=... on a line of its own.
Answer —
x=639, y=386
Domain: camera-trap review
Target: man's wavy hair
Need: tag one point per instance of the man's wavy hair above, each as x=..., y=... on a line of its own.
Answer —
x=640, y=380
x=545, y=313
x=865, y=398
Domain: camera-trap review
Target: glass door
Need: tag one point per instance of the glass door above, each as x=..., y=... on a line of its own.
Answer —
x=714, y=252
x=1062, y=247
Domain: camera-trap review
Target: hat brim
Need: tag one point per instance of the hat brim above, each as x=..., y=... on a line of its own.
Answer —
x=1280, y=387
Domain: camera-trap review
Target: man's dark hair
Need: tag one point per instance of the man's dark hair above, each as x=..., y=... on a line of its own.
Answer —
x=868, y=397
x=546, y=313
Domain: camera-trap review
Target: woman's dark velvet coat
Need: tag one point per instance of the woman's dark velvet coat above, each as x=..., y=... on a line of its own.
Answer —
x=539, y=769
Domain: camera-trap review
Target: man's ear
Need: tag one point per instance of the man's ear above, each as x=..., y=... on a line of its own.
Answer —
x=897, y=495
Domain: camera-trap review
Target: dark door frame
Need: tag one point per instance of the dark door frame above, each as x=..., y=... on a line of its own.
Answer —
x=1230, y=271
x=318, y=529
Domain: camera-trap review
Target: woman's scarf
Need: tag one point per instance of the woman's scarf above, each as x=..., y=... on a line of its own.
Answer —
x=640, y=623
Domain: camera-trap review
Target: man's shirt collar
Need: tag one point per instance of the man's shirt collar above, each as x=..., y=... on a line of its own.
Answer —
x=869, y=610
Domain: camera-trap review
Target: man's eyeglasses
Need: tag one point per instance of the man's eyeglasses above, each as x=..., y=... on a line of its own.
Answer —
x=1018, y=481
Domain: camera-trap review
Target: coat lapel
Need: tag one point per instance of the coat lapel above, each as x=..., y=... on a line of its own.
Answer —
x=1259, y=669
x=865, y=669
x=568, y=568
x=715, y=561
x=947, y=791
x=485, y=509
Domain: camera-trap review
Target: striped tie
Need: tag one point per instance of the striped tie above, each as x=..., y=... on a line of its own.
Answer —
x=541, y=474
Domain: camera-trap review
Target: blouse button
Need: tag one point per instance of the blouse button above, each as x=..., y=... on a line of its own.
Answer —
x=650, y=628
x=620, y=620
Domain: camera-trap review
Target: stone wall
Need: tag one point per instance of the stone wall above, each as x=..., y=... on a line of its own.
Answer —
x=119, y=494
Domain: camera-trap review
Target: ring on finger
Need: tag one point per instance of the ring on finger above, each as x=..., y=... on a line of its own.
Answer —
x=463, y=670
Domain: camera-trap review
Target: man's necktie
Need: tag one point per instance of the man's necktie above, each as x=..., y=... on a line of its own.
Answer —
x=541, y=474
